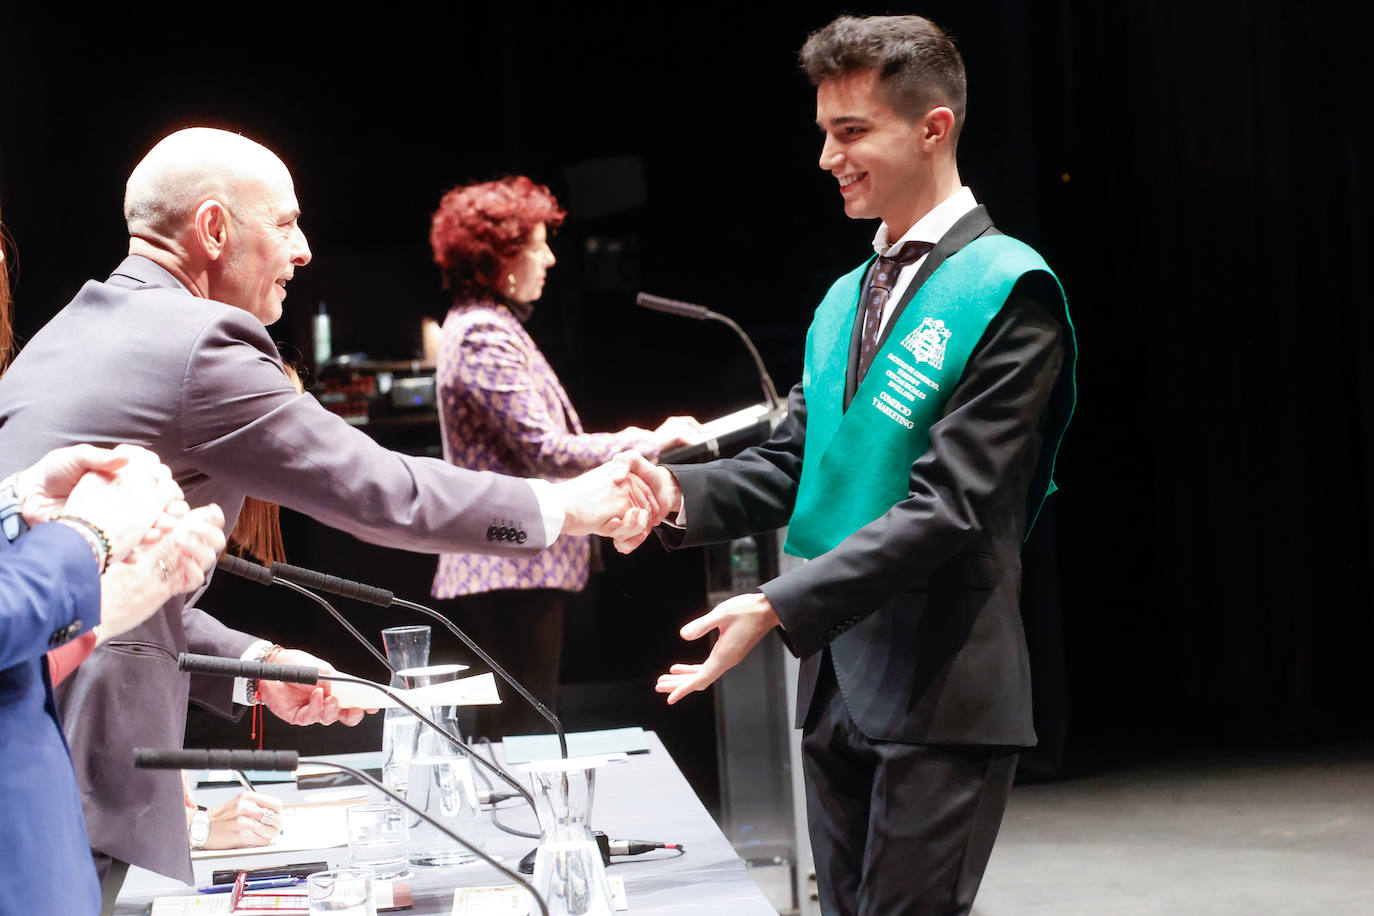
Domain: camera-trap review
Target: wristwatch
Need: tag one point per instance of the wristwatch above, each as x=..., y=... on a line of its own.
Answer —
x=199, y=828
x=11, y=511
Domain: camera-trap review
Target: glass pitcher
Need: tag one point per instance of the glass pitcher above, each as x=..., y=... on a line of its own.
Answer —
x=441, y=783
x=568, y=870
x=406, y=647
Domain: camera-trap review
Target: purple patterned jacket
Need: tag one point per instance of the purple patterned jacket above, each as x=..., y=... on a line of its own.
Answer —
x=501, y=408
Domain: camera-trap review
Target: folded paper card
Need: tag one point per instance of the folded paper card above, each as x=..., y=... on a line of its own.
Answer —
x=479, y=690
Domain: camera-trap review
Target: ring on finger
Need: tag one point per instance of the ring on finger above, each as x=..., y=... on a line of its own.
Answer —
x=269, y=817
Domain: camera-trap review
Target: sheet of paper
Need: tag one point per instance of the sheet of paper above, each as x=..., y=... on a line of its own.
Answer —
x=513, y=900
x=199, y=904
x=302, y=828
x=218, y=904
x=525, y=748
x=718, y=427
x=478, y=690
x=266, y=901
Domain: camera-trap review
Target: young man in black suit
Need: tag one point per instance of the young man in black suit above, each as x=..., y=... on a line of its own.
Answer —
x=914, y=455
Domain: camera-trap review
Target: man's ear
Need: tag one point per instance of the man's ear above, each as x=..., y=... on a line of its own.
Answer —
x=210, y=228
x=939, y=127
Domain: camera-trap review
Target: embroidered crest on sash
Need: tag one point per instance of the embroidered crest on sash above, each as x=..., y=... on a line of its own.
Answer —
x=927, y=343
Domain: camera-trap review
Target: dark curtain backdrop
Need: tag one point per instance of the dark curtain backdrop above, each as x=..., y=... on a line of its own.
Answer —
x=1195, y=172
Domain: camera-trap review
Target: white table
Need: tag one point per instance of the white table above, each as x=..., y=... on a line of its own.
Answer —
x=645, y=798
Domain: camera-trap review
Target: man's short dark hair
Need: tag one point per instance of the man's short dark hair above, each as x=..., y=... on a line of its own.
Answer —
x=917, y=64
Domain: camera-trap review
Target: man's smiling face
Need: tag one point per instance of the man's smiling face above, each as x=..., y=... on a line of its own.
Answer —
x=266, y=248
x=873, y=152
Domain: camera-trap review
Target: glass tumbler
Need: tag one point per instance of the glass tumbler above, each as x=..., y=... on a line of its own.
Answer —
x=341, y=892
x=377, y=839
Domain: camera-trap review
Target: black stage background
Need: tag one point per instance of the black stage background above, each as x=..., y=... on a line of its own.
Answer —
x=1194, y=172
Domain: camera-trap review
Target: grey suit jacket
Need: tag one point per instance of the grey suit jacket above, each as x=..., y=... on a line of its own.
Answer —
x=138, y=359
x=919, y=609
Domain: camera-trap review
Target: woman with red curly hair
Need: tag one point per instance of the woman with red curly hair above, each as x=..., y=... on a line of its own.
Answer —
x=503, y=409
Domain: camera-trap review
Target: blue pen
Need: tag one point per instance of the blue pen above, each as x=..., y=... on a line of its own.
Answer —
x=255, y=885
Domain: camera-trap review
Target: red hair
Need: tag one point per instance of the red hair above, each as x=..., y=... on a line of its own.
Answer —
x=480, y=227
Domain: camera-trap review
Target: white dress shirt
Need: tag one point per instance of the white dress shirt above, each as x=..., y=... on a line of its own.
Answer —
x=929, y=228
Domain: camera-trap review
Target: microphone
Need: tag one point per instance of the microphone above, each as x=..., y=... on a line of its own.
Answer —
x=383, y=598
x=673, y=306
x=263, y=576
x=158, y=759
x=215, y=666
x=304, y=674
x=701, y=313
x=147, y=758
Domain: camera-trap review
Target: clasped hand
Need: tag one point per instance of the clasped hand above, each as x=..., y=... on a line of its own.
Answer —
x=622, y=499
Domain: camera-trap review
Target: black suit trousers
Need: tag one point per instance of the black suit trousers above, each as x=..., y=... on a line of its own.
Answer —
x=897, y=829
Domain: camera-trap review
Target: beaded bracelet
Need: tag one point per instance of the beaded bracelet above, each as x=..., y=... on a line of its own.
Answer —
x=102, y=545
x=251, y=684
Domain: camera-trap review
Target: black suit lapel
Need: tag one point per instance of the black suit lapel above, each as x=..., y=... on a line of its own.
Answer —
x=855, y=341
x=970, y=226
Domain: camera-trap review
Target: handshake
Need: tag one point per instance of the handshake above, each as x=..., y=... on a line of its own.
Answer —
x=621, y=500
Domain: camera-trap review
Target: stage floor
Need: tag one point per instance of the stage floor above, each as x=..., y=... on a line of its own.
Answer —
x=1213, y=834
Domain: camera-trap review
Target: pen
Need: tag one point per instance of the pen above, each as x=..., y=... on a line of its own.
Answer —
x=242, y=777
x=259, y=884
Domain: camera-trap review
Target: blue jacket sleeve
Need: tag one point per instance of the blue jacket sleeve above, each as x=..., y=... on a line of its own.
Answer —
x=48, y=580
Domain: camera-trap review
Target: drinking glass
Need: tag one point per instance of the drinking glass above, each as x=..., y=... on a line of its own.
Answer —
x=377, y=839
x=341, y=892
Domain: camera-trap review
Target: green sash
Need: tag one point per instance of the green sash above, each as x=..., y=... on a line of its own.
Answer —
x=857, y=462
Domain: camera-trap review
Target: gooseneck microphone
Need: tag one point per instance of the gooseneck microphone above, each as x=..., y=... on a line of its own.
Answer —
x=263, y=576
x=701, y=313
x=156, y=759
x=148, y=758
x=306, y=674
x=283, y=573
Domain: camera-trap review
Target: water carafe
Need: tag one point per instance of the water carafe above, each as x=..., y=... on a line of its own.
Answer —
x=441, y=782
x=568, y=870
x=406, y=647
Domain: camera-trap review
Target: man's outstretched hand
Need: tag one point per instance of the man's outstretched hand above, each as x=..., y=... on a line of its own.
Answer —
x=742, y=621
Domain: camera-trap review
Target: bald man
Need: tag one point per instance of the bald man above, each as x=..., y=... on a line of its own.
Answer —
x=172, y=353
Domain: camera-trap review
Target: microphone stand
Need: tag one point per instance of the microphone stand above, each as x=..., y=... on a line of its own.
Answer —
x=333, y=612
x=701, y=313
x=247, y=569
x=174, y=760
x=282, y=572
x=214, y=666
x=519, y=688
x=303, y=580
